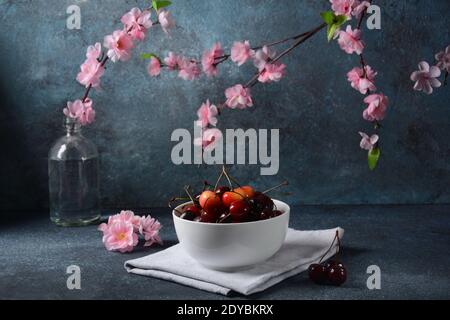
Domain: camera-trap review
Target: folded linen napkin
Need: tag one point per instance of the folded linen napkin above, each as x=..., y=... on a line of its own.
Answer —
x=300, y=249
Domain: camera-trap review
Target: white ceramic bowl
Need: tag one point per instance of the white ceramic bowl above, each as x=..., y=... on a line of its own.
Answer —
x=233, y=246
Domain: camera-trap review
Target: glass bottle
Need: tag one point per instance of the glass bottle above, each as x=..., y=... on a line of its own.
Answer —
x=73, y=165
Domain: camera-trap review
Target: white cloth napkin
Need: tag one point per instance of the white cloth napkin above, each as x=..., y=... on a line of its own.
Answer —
x=300, y=249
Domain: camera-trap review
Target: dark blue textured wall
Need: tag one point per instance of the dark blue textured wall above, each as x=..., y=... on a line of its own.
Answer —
x=318, y=113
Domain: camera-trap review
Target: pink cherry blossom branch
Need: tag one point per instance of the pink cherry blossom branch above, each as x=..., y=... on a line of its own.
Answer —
x=300, y=40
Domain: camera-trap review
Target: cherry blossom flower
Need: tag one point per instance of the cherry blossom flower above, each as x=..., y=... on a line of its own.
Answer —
x=350, y=40
x=90, y=73
x=362, y=82
x=154, y=67
x=119, y=45
x=368, y=143
x=443, y=59
x=74, y=109
x=210, y=137
x=209, y=60
x=238, y=97
x=207, y=115
x=425, y=78
x=172, y=61
x=87, y=117
x=241, y=52
x=124, y=216
x=358, y=9
x=377, y=106
x=82, y=112
x=94, y=52
x=149, y=228
x=343, y=7
x=262, y=56
x=137, y=22
x=119, y=236
x=272, y=72
x=189, y=69
x=166, y=20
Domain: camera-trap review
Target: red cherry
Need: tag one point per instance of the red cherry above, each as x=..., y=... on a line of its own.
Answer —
x=210, y=202
x=276, y=213
x=246, y=191
x=229, y=197
x=193, y=209
x=240, y=210
x=266, y=214
x=318, y=273
x=220, y=191
x=188, y=216
x=208, y=217
x=337, y=275
x=333, y=263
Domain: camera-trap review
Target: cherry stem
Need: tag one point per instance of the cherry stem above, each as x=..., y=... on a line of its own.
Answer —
x=331, y=247
x=172, y=201
x=285, y=183
x=186, y=189
x=224, y=171
x=446, y=78
x=218, y=180
x=224, y=218
x=235, y=181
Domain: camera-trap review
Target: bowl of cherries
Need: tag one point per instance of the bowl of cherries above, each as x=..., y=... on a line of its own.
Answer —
x=231, y=227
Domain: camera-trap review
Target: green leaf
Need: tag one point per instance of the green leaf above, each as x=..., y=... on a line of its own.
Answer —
x=328, y=17
x=146, y=56
x=159, y=4
x=340, y=20
x=331, y=30
x=374, y=157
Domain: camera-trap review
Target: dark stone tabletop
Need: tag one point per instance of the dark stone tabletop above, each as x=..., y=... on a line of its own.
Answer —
x=409, y=243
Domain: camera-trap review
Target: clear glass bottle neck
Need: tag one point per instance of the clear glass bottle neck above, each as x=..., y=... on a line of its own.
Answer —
x=72, y=127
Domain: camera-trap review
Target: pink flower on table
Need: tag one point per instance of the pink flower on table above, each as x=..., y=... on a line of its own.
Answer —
x=350, y=40
x=443, y=59
x=149, y=228
x=94, y=52
x=137, y=22
x=209, y=60
x=210, y=138
x=207, y=115
x=154, y=67
x=119, y=236
x=189, y=69
x=90, y=73
x=241, y=52
x=368, y=143
x=343, y=7
x=272, y=72
x=172, y=61
x=238, y=97
x=359, y=8
x=262, y=56
x=166, y=20
x=425, y=78
x=362, y=82
x=377, y=106
x=82, y=112
x=119, y=44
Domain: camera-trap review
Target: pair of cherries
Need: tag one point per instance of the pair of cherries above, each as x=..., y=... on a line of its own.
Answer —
x=332, y=272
